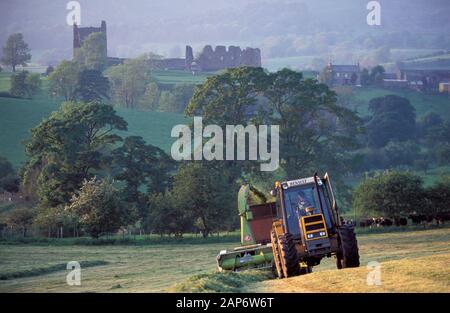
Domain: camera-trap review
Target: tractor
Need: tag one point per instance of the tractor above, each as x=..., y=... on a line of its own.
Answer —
x=293, y=233
x=307, y=228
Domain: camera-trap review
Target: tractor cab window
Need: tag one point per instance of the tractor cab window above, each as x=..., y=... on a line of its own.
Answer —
x=303, y=201
x=300, y=201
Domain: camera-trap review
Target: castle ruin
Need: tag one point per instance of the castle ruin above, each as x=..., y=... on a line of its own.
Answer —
x=208, y=60
x=81, y=33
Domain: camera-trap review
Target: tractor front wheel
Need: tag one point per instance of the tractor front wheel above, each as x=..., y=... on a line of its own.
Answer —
x=289, y=260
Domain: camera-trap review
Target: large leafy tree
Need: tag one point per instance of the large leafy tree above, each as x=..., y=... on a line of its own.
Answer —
x=16, y=51
x=21, y=218
x=129, y=81
x=99, y=208
x=9, y=181
x=25, y=84
x=166, y=217
x=438, y=197
x=92, y=86
x=315, y=133
x=393, y=118
x=64, y=80
x=230, y=98
x=205, y=195
x=140, y=165
x=69, y=147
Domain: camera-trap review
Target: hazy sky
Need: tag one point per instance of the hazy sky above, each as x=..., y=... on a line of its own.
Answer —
x=165, y=26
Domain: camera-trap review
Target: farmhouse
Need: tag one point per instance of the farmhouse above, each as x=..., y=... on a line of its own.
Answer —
x=342, y=75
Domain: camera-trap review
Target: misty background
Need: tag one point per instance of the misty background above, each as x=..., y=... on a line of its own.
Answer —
x=318, y=30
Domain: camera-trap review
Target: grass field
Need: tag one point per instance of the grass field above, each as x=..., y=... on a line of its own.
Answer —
x=423, y=103
x=410, y=261
x=171, y=77
x=18, y=116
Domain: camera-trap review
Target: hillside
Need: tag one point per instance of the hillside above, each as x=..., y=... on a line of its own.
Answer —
x=358, y=99
x=18, y=116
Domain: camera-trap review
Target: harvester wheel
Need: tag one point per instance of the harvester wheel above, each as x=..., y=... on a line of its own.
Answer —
x=288, y=253
x=276, y=255
x=350, y=254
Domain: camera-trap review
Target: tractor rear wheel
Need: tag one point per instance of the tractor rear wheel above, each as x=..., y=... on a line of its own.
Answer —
x=288, y=253
x=349, y=244
x=276, y=255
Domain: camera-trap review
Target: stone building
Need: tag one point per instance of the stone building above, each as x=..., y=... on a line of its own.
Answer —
x=221, y=58
x=81, y=33
x=424, y=76
x=208, y=60
x=342, y=75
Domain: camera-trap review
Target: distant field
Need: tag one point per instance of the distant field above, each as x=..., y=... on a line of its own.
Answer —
x=5, y=82
x=410, y=261
x=17, y=116
x=295, y=63
x=423, y=103
x=171, y=77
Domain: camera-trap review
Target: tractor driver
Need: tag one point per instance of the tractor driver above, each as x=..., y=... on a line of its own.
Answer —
x=304, y=206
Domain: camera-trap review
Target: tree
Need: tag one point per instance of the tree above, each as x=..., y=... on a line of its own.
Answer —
x=64, y=80
x=230, y=98
x=57, y=221
x=9, y=181
x=393, y=118
x=168, y=102
x=49, y=70
x=401, y=153
x=129, y=81
x=365, y=77
x=33, y=84
x=69, y=147
x=429, y=123
x=376, y=75
x=393, y=194
x=25, y=84
x=21, y=218
x=92, y=86
x=18, y=84
x=205, y=195
x=315, y=133
x=150, y=99
x=182, y=93
x=16, y=51
x=141, y=165
x=167, y=218
x=98, y=206
x=92, y=54
x=438, y=197
x=443, y=154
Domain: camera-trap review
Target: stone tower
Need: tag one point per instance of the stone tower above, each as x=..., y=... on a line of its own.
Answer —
x=81, y=33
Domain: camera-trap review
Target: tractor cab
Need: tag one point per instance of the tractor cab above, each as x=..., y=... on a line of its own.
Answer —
x=307, y=207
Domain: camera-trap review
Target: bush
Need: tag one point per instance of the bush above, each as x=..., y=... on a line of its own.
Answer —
x=25, y=84
x=392, y=193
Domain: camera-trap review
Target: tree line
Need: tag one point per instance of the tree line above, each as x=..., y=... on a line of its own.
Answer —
x=86, y=179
